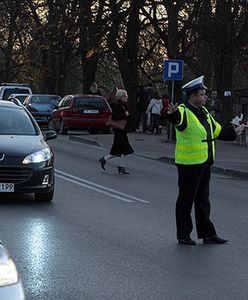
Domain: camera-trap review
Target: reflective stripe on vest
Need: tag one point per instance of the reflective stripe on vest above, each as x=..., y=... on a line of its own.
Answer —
x=192, y=145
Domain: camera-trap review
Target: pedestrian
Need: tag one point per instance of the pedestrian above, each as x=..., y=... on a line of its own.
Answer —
x=142, y=101
x=196, y=131
x=150, y=90
x=120, y=144
x=94, y=90
x=155, y=107
x=215, y=106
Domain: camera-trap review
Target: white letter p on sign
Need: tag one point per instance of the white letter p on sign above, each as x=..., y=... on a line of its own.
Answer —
x=173, y=68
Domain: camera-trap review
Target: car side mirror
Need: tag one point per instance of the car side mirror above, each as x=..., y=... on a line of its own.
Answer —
x=49, y=135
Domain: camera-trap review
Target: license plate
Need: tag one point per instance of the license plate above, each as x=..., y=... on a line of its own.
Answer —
x=7, y=187
x=90, y=111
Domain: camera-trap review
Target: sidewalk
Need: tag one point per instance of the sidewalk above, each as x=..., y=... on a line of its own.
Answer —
x=231, y=157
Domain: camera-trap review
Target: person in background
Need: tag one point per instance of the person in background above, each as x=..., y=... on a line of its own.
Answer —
x=120, y=144
x=196, y=132
x=112, y=97
x=215, y=106
x=142, y=101
x=150, y=90
x=94, y=90
x=155, y=107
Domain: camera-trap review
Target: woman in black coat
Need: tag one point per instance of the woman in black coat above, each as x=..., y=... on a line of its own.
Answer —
x=120, y=144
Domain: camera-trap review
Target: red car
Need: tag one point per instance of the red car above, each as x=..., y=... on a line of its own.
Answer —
x=81, y=112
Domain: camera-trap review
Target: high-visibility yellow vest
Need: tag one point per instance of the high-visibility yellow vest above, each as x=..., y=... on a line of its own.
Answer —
x=192, y=145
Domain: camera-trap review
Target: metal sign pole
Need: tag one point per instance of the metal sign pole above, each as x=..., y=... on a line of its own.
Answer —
x=172, y=101
x=172, y=91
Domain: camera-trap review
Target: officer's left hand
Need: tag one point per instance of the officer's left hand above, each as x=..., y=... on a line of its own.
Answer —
x=171, y=108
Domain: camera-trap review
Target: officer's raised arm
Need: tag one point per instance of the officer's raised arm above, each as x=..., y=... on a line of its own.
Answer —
x=171, y=108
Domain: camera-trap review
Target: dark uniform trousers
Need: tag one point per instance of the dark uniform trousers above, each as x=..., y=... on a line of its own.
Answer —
x=193, y=182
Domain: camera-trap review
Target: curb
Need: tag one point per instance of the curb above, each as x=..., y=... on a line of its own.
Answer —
x=166, y=159
x=216, y=170
x=229, y=172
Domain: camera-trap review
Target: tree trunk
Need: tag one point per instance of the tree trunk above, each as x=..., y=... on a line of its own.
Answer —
x=89, y=72
x=127, y=56
x=224, y=57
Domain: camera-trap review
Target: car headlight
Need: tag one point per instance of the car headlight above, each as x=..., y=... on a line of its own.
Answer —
x=39, y=156
x=8, y=272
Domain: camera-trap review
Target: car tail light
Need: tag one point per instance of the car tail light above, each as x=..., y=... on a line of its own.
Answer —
x=32, y=109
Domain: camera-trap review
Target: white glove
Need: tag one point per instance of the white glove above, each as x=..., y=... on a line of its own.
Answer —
x=239, y=129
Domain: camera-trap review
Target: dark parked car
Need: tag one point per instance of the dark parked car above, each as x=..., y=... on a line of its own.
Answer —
x=41, y=106
x=26, y=160
x=81, y=112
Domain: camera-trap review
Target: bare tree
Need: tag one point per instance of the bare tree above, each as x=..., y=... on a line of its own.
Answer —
x=123, y=40
x=52, y=38
x=93, y=28
x=11, y=29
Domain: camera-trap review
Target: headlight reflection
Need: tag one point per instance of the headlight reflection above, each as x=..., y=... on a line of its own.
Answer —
x=38, y=239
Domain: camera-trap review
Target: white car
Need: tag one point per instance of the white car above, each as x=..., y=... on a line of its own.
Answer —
x=6, y=89
x=11, y=287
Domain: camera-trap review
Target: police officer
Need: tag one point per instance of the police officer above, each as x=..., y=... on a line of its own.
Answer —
x=196, y=131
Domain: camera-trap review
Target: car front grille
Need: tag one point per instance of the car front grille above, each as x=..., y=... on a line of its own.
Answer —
x=14, y=174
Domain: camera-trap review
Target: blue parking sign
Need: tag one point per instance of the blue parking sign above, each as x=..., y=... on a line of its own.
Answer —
x=173, y=70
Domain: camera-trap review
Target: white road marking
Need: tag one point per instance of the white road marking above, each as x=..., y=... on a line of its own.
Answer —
x=98, y=188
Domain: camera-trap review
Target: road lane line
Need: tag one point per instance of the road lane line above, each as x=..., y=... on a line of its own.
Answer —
x=93, y=188
x=100, y=188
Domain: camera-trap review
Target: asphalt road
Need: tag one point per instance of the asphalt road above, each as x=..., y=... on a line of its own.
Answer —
x=110, y=236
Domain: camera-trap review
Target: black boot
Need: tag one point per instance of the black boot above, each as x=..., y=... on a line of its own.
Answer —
x=122, y=170
x=103, y=162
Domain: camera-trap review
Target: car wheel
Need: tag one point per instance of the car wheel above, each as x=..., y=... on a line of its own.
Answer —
x=51, y=125
x=44, y=197
x=63, y=130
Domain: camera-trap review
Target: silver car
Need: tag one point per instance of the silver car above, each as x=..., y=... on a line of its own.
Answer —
x=11, y=287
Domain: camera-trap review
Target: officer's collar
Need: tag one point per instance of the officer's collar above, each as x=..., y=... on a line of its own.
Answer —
x=192, y=107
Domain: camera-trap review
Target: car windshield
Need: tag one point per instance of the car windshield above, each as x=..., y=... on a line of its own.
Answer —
x=90, y=103
x=46, y=99
x=10, y=91
x=15, y=122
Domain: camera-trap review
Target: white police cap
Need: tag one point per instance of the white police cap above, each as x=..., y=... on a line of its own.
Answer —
x=195, y=84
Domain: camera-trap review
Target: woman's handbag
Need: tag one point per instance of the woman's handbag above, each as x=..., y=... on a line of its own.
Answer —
x=119, y=124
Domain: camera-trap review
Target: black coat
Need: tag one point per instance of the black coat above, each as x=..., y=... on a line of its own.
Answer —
x=121, y=144
x=142, y=101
